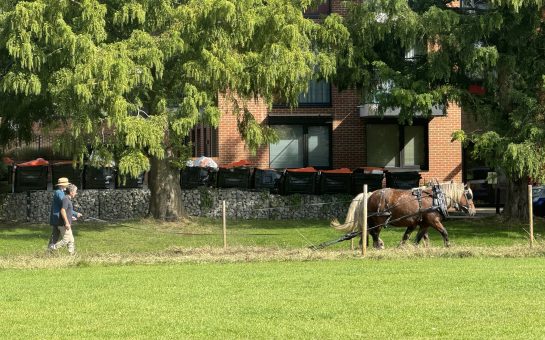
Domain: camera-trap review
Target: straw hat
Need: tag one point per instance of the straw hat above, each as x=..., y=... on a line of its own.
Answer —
x=63, y=181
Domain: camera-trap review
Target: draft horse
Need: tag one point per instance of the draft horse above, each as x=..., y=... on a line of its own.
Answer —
x=402, y=208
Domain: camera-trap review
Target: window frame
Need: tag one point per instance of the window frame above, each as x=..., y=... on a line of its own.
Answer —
x=401, y=141
x=329, y=104
x=305, y=122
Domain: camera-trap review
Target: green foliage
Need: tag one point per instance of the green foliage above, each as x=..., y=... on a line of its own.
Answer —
x=130, y=79
x=501, y=49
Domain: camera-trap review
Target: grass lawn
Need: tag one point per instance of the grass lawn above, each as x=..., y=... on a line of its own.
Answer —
x=348, y=299
x=148, y=236
x=142, y=279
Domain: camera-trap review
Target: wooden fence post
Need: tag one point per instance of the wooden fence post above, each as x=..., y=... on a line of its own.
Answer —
x=364, y=224
x=531, y=215
x=224, y=227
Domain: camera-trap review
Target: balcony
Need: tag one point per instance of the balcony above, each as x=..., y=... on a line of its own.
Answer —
x=371, y=110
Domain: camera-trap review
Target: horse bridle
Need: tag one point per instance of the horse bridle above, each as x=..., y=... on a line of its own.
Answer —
x=465, y=208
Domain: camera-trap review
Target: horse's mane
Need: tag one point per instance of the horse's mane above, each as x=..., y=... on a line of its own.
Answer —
x=455, y=191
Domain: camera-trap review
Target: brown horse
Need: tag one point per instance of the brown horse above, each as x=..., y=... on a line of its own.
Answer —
x=401, y=208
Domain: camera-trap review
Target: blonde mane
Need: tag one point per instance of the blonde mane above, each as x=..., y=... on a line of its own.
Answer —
x=454, y=192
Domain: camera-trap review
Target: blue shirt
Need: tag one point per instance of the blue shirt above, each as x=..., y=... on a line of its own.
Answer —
x=56, y=207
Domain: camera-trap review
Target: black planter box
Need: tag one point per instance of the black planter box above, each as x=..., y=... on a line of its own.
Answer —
x=372, y=177
x=403, y=180
x=98, y=178
x=239, y=177
x=74, y=175
x=299, y=182
x=267, y=179
x=130, y=182
x=192, y=177
x=30, y=178
x=335, y=182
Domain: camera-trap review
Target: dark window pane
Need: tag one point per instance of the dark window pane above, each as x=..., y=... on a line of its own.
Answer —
x=384, y=149
x=319, y=93
x=318, y=146
x=383, y=145
x=300, y=145
x=288, y=152
x=413, y=148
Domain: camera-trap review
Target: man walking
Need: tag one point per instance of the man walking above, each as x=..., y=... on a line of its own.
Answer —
x=56, y=206
x=66, y=219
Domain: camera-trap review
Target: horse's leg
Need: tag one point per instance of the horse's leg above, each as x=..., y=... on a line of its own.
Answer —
x=375, y=233
x=407, y=234
x=441, y=229
x=422, y=234
x=370, y=228
x=426, y=239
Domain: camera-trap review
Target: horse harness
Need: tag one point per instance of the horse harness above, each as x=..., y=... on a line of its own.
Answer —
x=439, y=201
x=439, y=204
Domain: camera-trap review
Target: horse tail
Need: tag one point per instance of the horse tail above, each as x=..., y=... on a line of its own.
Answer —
x=353, y=216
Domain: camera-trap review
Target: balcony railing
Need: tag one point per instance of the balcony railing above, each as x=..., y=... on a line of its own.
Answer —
x=372, y=109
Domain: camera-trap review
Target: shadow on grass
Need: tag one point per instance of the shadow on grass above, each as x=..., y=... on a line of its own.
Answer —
x=492, y=227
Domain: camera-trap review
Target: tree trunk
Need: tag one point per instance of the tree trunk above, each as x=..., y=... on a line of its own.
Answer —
x=516, y=202
x=166, y=194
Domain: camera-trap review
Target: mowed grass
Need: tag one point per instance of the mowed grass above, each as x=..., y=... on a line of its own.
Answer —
x=143, y=279
x=342, y=299
x=136, y=237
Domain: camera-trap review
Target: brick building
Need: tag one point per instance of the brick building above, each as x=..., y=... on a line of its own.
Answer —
x=334, y=129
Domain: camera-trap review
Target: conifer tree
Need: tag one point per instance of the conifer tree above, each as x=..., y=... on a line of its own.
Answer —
x=487, y=56
x=129, y=79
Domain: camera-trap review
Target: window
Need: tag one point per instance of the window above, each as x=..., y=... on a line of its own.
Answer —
x=397, y=146
x=318, y=95
x=418, y=51
x=204, y=141
x=322, y=9
x=300, y=146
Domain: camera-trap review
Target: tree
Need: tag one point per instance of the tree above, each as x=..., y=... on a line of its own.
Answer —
x=129, y=79
x=487, y=56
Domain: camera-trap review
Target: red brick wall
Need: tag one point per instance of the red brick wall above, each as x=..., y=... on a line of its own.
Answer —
x=445, y=157
x=230, y=145
x=348, y=131
x=338, y=7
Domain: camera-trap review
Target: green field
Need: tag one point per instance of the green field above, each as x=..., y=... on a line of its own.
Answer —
x=146, y=280
x=148, y=236
x=432, y=298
